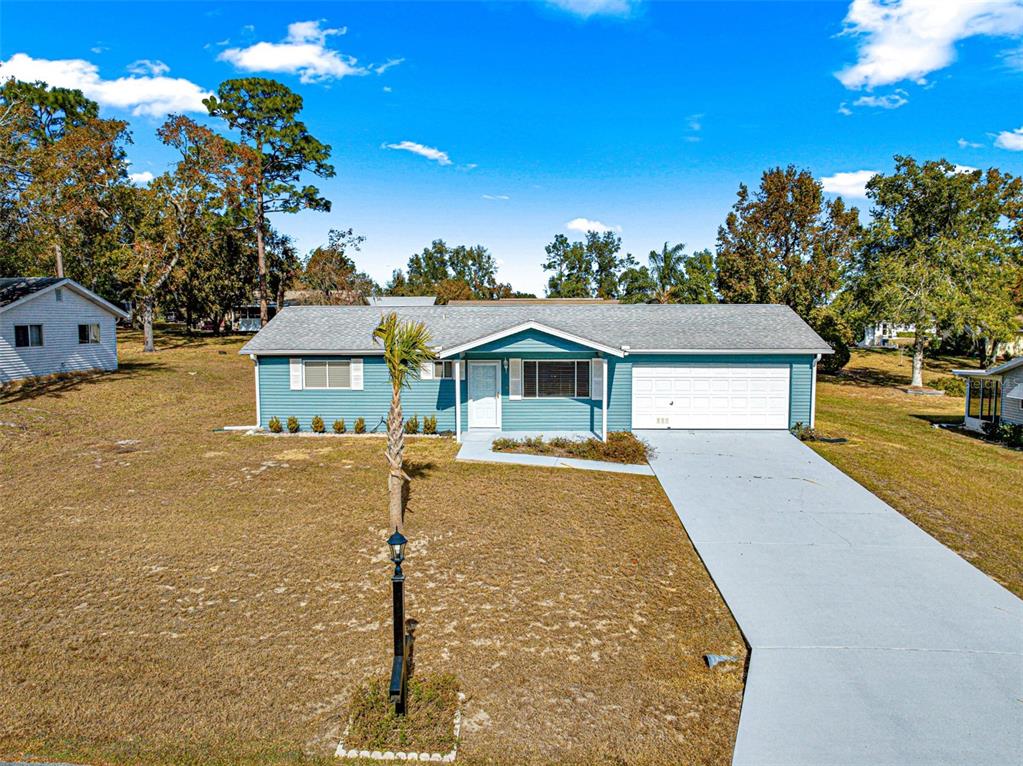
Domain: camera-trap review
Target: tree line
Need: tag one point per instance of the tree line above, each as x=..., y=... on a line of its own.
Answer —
x=941, y=249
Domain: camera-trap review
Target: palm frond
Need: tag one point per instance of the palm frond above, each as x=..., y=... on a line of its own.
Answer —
x=406, y=347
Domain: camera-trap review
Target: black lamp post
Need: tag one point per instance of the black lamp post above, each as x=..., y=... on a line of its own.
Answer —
x=402, y=642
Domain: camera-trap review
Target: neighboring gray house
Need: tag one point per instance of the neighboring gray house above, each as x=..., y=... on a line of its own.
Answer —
x=401, y=300
x=584, y=368
x=994, y=394
x=50, y=325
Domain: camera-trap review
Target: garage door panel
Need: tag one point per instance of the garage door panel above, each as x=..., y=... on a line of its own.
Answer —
x=710, y=396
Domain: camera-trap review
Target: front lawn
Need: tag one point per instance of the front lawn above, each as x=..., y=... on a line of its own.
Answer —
x=960, y=489
x=170, y=594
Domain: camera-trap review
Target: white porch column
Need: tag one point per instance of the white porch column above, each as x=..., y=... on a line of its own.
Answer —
x=458, y=400
x=255, y=367
x=603, y=398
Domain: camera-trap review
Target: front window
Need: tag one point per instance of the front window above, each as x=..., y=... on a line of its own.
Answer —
x=555, y=379
x=28, y=335
x=88, y=333
x=328, y=374
x=444, y=370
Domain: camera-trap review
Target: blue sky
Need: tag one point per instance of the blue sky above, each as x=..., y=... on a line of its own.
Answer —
x=505, y=123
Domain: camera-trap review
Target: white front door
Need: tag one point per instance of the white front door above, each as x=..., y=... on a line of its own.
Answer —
x=484, y=394
x=710, y=396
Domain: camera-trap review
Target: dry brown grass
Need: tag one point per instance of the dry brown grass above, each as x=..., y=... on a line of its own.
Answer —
x=620, y=447
x=169, y=594
x=960, y=489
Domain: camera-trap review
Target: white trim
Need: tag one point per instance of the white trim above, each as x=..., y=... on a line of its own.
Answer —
x=255, y=367
x=74, y=286
x=496, y=364
x=296, y=373
x=532, y=325
x=748, y=351
x=603, y=398
x=813, y=394
x=355, y=374
x=312, y=352
x=515, y=379
x=596, y=371
x=426, y=370
x=458, y=400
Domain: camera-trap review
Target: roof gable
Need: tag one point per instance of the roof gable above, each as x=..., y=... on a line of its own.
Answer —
x=14, y=291
x=530, y=337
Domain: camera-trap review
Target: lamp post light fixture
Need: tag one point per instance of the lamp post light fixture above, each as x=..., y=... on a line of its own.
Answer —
x=403, y=639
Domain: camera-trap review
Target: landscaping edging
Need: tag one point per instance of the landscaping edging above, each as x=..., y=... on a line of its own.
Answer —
x=391, y=755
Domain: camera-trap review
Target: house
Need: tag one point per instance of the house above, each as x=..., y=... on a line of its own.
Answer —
x=51, y=324
x=993, y=395
x=886, y=335
x=401, y=300
x=587, y=368
x=534, y=301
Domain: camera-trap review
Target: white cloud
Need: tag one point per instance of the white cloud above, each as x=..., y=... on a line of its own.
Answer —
x=140, y=178
x=496, y=196
x=890, y=101
x=302, y=52
x=964, y=144
x=588, y=8
x=388, y=89
x=909, y=39
x=852, y=184
x=422, y=150
x=843, y=109
x=147, y=67
x=153, y=96
x=381, y=68
x=584, y=225
x=1010, y=139
x=965, y=169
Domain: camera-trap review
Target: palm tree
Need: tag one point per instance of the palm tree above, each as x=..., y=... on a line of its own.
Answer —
x=668, y=270
x=406, y=347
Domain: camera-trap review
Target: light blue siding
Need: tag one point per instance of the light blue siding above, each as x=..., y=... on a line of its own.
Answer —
x=437, y=397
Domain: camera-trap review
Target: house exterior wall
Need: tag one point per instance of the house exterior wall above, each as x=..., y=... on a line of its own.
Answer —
x=437, y=397
x=61, y=351
x=1012, y=409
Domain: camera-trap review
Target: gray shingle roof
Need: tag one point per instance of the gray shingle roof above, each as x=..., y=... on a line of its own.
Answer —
x=16, y=288
x=719, y=327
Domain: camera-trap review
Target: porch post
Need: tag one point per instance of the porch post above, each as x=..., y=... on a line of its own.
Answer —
x=458, y=400
x=603, y=398
x=813, y=392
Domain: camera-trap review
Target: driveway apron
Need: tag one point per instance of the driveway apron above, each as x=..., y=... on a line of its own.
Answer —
x=871, y=643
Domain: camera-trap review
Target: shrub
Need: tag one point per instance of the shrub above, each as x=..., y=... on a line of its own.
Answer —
x=275, y=424
x=317, y=425
x=1011, y=434
x=360, y=425
x=412, y=425
x=952, y=386
x=430, y=424
x=621, y=447
x=339, y=426
x=292, y=425
x=803, y=432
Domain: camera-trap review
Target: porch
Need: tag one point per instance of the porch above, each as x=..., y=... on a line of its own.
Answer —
x=983, y=403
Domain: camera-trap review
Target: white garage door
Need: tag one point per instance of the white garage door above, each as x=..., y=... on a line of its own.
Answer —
x=694, y=396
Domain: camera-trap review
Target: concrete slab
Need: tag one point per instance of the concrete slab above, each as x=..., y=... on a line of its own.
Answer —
x=871, y=643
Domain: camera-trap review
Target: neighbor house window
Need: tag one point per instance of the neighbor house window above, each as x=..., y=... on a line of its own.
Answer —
x=59, y=295
x=26, y=335
x=549, y=379
x=88, y=333
x=442, y=370
x=328, y=374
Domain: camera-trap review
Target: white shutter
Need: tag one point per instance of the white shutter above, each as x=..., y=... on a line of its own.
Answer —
x=597, y=379
x=295, y=365
x=463, y=366
x=356, y=370
x=426, y=371
x=514, y=378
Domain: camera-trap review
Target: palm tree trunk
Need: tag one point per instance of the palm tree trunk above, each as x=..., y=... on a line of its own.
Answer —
x=396, y=477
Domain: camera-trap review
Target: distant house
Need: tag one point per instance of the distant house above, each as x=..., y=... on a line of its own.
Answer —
x=50, y=325
x=886, y=334
x=402, y=300
x=993, y=395
x=584, y=368
x=533, y=302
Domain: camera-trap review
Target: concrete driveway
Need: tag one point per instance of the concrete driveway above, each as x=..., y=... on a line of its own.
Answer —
x=871, y=643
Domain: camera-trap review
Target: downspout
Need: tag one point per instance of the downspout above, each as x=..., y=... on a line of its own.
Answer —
x=255, y=367
x=813, y=392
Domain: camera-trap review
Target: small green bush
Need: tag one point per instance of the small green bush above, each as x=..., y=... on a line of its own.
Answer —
x=952, y=386
x=621, y=447
x=317, y=425
x=412, y=425
x=275, y=424
x=430, y=424
x=1011, y=434
x=360, y=425
x=339, y=426
x=293, y=425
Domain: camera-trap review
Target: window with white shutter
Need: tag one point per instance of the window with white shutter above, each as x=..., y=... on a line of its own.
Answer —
x=295, y=366
x=356, y=374
x=597, y=379
x=514, y=378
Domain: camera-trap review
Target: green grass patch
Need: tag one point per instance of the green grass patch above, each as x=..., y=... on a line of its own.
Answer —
x=427, y=726
x=621, y=447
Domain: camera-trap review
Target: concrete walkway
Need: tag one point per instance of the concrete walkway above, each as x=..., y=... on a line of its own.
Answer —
x=871, y=643
x=476, y=445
